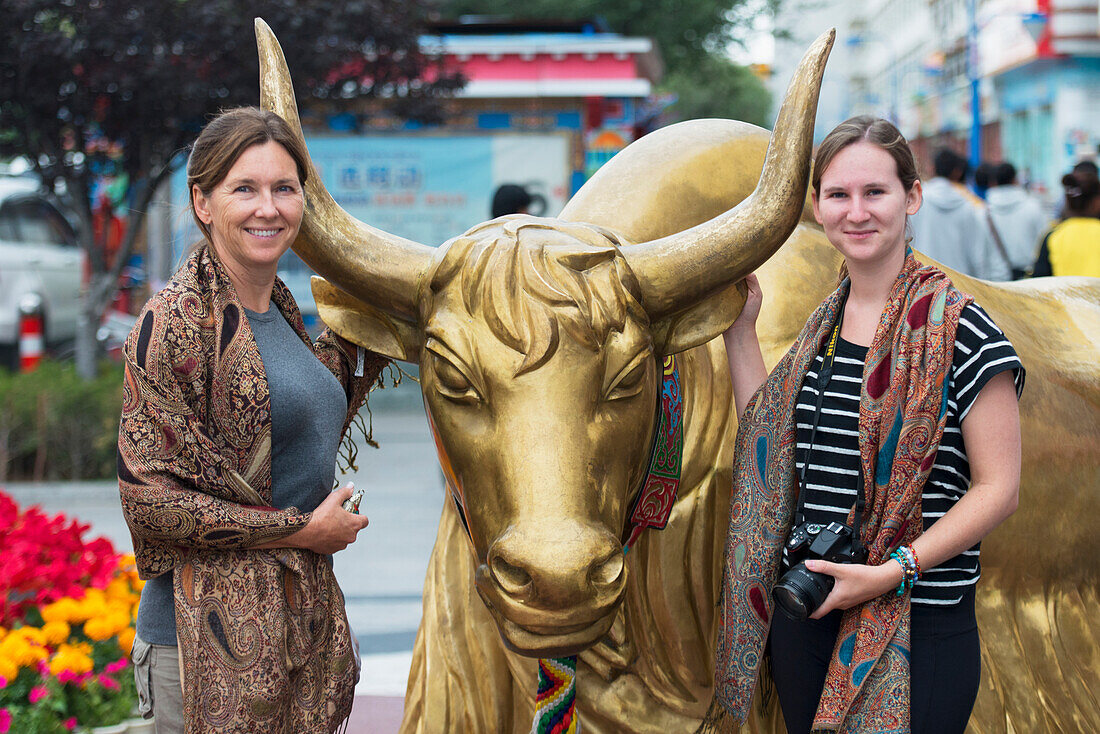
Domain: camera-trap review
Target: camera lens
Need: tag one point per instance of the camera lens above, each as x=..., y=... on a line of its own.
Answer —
x=801, y=591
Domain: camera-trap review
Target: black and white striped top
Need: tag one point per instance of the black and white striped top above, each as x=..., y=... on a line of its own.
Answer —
x=981, y=351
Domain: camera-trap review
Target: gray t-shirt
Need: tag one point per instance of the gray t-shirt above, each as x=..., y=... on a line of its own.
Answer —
x=308, y=407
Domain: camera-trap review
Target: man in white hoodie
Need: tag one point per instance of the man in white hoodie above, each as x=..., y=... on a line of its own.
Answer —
x=951, y=229
x=1016, y=217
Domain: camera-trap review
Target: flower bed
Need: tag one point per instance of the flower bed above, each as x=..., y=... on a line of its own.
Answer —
x=67, y=611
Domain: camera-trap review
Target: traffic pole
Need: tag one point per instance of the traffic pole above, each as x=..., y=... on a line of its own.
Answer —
x=31, y=337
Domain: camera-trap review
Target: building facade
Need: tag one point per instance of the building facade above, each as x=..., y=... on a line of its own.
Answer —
x=1025, y=73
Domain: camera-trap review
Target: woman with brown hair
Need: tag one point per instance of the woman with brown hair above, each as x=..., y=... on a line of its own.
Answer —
x=231, y=423
x=869, y=465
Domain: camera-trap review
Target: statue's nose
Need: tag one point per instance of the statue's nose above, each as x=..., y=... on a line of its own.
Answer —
x=557, y=565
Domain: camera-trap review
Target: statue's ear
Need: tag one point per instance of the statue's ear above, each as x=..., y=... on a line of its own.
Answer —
x=363, y=324
x=701, y=322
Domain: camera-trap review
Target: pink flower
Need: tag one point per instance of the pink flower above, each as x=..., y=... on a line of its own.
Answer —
x=3, y=682
x=37, y=694
x=117, y=665
x=66, y=676
x=70, y=723
x=5, y=721
x=108, y=682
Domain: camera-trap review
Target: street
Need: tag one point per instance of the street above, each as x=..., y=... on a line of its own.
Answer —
x=381, y=575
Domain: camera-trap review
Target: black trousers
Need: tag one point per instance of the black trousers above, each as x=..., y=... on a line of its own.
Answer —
x=944, y=672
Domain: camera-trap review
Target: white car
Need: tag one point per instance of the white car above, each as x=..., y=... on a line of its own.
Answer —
x=40, y=261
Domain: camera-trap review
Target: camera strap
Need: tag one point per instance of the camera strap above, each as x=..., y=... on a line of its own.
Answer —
x=824, y=375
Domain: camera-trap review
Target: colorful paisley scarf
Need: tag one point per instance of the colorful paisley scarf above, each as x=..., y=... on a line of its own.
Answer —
x=263, y=636
x=903, y=405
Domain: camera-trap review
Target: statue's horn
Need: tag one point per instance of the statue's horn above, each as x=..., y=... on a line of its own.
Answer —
x=677, y=271
x=366, y=262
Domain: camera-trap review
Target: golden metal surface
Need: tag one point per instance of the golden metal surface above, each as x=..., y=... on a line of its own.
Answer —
x=535, y=339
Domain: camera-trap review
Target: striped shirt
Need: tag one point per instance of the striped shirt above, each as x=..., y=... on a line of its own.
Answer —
x=981, y=351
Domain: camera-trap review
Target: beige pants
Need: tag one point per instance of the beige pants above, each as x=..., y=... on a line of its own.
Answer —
x=160, y=692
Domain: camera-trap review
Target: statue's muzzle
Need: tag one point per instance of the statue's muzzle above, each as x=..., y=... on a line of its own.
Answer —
x=553, y=586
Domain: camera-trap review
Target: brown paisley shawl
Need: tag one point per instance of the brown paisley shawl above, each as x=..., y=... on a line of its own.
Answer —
x=264, y=639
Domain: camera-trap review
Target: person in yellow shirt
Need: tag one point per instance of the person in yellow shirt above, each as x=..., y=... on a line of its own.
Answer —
x=1073, y=246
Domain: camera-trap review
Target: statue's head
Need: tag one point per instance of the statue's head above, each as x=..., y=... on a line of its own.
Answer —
x=538, y=342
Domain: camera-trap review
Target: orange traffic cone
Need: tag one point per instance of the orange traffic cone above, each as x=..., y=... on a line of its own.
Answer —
x=31, y=339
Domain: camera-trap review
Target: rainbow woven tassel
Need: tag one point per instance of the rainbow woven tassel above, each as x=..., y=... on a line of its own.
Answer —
x=555, y=712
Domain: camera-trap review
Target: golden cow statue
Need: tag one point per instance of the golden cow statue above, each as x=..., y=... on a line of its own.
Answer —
x=538, y=342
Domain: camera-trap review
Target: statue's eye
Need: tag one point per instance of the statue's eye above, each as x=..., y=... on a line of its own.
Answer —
x=451, y=382
x=629, y=382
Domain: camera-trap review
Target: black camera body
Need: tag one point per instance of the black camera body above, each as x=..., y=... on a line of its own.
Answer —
x=800, y=591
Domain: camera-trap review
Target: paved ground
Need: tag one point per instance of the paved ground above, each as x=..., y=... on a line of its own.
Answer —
x=382, y=574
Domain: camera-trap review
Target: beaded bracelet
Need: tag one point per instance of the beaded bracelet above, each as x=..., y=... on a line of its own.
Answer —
x=910, y=567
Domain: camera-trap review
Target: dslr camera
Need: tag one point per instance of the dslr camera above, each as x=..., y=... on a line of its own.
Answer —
x=800, y=591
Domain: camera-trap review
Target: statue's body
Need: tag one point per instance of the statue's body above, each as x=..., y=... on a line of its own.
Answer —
x=538, y=342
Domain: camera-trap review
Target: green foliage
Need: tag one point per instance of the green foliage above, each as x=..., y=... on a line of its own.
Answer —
x=103, y=700
x=56, y=425
x=46, y=715
x=719, y=88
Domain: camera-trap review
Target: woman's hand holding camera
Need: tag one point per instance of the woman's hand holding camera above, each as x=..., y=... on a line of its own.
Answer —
x=331, y=528
x=855, y=583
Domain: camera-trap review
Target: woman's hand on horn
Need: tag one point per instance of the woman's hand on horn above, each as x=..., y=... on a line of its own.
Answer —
x=754, y=296
x=855, y=583
x=331, y=528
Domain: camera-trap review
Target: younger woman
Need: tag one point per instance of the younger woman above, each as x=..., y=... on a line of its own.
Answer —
x=896, y=404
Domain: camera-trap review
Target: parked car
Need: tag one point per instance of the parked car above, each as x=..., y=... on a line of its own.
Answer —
x=40, y=261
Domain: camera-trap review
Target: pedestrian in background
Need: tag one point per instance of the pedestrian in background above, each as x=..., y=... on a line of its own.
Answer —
x=510, y=199
x=951, y=226
x=897, y=349
x=985, y=178
x=231, y=424
x=1073, y=246
x=1016, y=220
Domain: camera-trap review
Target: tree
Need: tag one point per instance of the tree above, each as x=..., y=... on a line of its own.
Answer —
x=719, y=88
x=692, y=35
x=121, y=86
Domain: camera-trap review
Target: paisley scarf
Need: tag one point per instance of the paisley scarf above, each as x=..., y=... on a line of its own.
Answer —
x=903, y=405
x=264, y=639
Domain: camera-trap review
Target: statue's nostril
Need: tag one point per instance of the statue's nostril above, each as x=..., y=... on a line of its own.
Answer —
x=513, y=579
x=608, y=571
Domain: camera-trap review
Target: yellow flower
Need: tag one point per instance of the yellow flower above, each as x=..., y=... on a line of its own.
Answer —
x=65, y=609
x=8, y=669
x=56, y=632
x=94, y=604
x=21, y=648
x=74, y=658
x=33, y=635
x=108, y=624
x=126, y=640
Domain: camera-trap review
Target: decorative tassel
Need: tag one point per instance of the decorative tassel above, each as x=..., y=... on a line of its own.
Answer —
x=718, y=721
x=555, y=704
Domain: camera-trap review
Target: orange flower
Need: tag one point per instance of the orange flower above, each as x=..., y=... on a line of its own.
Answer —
x=55, y=632
x=126, y=640
x=76, y=659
